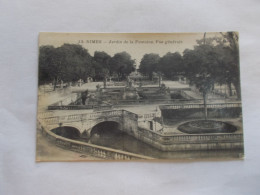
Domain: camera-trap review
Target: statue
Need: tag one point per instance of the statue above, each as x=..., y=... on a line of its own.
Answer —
x=98, y=87
x=84, y=96
x=140, y=85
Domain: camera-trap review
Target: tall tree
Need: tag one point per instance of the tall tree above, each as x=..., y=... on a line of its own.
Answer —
x=149, y=64
x=69, y=62
x=122, y=64
x=228, y=58
x=101, y=63
x=77, y=62
x=232, y=59
x=200, y=65
x=51, y=64
x=171, y=65
x=45, y=61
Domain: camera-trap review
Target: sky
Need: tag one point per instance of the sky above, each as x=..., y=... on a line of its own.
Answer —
x=136, y=44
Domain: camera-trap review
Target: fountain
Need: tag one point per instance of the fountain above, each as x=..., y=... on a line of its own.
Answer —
x=206, y=126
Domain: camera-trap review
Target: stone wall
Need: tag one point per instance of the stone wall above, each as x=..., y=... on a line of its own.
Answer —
x=194, y=111
x=131, y=123
x=192, y=142
x=82, y=147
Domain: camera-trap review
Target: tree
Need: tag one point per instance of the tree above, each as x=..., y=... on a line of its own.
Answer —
x=228, y=58
x=149, y=64
x=102, y=58
x=232, y=59
x=213, y=60
x=200, y=65
x=45, y=59
x=171, y=65
x=122, y=64
x=50, y=64
x=101, y=63
x=77, y=62
x=69, y=62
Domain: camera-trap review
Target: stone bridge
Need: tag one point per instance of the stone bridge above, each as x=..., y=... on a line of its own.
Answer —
x=85, y=123
x=145, y=128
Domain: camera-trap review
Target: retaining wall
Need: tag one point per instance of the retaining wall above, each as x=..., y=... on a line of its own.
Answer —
x=218, y=141
x=97, y=151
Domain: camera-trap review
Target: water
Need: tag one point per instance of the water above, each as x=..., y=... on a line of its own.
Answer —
x=116, y=139
x=108, y=135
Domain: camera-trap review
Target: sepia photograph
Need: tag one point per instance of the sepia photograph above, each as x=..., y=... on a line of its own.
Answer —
x=129, y=97
x=139, y=96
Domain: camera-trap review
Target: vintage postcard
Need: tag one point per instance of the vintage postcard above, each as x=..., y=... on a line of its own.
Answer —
x=139, y=96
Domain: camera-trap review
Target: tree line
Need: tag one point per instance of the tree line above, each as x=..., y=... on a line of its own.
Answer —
x=71, y=62
x=212, y=60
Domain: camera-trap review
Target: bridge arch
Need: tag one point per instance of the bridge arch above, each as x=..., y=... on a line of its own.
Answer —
x=67, y=132
x=105, y=126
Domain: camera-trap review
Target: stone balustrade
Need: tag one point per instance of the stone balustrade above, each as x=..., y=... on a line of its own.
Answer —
x=80, y=117
x=148, y=116
x=165, y=142
x=194, y=141
x=188, y=106
x=96, y=115
x=94, y=150
x=45, y=114
x=180, y=138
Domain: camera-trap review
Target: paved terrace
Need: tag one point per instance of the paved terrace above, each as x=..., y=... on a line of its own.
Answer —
x=59, y=95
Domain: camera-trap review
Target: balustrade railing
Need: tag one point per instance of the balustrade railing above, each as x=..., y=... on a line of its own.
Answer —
x=148, y=116
x=94, y=150
x=97, y=115
x=191, y=138
x=154, y=136
x=45, y=114
x=188, y=106
x=80, y=117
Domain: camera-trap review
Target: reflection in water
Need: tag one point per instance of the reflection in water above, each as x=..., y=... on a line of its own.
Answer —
x=108, y=134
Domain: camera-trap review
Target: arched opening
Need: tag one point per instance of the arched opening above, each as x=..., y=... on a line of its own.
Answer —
x=105, y=127
x=67, y=131
x=110, y=134
x=107, y=134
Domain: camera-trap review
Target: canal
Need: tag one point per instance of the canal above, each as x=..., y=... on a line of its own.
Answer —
x=107, y=134
x=110, y=136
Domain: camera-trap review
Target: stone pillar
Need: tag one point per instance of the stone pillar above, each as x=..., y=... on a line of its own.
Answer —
x=160, y=80
x=85, y=134
x=105, y=82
